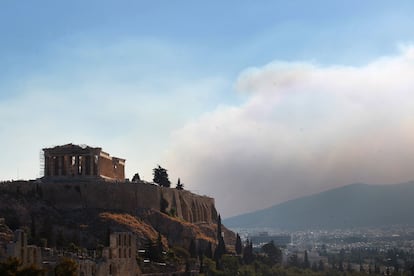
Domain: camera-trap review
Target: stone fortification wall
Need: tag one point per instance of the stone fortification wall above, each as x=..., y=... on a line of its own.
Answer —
x=121, y=196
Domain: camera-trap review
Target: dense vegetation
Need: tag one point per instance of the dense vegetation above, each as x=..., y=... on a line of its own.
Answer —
x=268, y=261
x=12, y=267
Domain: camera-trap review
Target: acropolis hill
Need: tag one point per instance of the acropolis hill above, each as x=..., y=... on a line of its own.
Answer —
x=84, y=194
x=85, y=177
x=121, y=196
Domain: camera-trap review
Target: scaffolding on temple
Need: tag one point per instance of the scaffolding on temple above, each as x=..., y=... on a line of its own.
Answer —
x=42, y=164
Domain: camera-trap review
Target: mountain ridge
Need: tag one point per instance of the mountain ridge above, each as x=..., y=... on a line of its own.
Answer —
x=354, y=205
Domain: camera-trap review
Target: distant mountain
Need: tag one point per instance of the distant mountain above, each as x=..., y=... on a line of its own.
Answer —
x=355, y=205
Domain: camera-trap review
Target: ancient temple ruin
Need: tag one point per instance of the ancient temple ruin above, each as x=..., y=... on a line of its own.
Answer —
x=74, y=161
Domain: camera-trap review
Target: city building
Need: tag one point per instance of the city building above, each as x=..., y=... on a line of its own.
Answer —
x=27, y=254
x=264, y=237
x=120, y=256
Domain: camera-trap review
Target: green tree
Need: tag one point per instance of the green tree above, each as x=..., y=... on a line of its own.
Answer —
x=293, y=260
x=9, y=266
x=136, y=178
x=341, y=266
x=221, y=246
x=180, y=186
x=66, y=267
x=161, y=177
x=273, y=253
x=321, y=266
x=377, y=269
x=230, y=264
x=153, y=250
x=306, y=263
x=30, y=271
x=238, y=246
x=248, y=256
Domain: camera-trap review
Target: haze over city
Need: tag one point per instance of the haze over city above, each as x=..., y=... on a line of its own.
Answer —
x=252, y=104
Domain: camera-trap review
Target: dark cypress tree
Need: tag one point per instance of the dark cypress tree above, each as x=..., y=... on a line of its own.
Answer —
x=377, y=269
x=219, y=231
x=321, y=266
x=238, y=245
x=221, y=246
x=180, y=186
x=341, y=266
x=248, y=256
x=306, y=263
x=136, y=178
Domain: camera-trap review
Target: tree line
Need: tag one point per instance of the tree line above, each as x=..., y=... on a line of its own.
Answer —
x=161, y=178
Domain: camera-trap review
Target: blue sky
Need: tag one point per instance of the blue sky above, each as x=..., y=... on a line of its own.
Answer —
x=223, y=92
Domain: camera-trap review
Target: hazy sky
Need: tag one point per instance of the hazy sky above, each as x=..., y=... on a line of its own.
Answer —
x=250, y=102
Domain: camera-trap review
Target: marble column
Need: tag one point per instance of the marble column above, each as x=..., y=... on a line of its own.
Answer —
x=60, y=164
x=91, y=160
x=77, y=165
x=68, y=163
x=52, y=166
x=46, y=166
x=83, y=164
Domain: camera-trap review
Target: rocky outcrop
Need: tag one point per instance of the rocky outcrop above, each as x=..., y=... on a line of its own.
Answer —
x=127, y=197
x=84, y=212
x=80, y=215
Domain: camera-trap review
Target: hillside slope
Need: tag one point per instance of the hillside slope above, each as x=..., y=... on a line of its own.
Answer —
x=85, y=212
x=355, y=205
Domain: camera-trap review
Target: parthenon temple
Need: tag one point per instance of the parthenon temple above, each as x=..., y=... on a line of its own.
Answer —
x=74, y=161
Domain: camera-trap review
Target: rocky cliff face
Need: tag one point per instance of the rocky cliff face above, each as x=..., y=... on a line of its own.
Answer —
x=84, y=212
x=124, y=196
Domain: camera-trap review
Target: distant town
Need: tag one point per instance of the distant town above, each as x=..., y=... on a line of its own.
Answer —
x=373, y=251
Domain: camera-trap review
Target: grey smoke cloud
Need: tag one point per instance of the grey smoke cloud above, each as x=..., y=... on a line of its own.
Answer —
x=303, y=128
